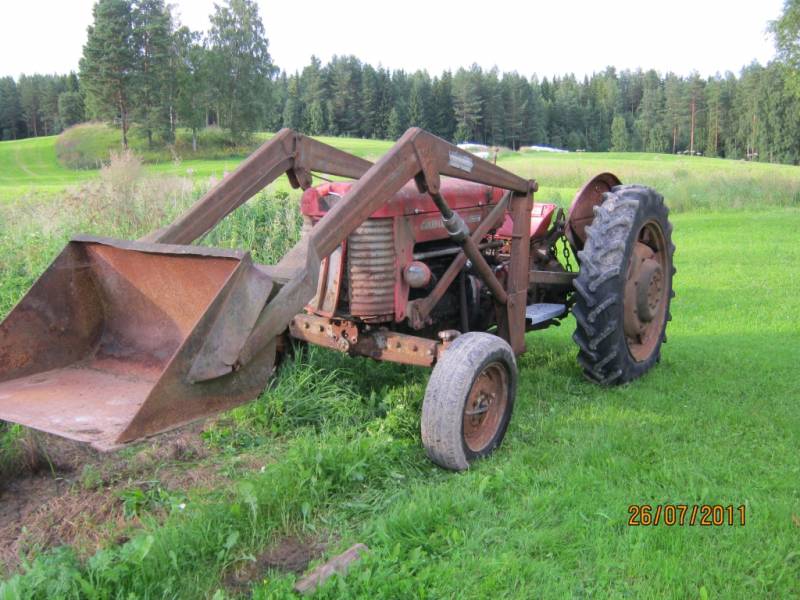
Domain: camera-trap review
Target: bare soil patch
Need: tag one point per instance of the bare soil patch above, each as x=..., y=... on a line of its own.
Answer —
x=288, y=554
x=61, y=492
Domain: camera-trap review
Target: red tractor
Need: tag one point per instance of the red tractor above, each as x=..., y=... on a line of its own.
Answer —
x=430, y=257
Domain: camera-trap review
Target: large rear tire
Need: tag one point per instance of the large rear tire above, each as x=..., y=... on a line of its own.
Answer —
x=624, y=288
x=469, y=400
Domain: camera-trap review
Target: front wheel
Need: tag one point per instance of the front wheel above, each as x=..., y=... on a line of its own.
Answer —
x=624, y=287
x=469, y=400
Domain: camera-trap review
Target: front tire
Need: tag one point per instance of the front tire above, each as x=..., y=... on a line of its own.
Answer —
x=469, y=400
x=624, y=287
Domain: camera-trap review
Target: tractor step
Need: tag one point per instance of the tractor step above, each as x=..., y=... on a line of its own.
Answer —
x=543, y=311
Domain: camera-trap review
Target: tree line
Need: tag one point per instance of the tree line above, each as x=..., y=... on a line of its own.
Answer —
x=139, y=66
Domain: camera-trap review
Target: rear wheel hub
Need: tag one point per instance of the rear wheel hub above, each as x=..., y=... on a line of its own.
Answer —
x=646, y=290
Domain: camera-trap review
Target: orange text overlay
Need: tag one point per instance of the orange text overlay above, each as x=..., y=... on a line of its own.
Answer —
x=704, y=515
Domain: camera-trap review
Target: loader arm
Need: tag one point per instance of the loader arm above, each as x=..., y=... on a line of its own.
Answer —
x=287, y=152
x=417, y=155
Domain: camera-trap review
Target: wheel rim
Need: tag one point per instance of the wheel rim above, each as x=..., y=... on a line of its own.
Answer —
x=485, y=406
x=646, y=292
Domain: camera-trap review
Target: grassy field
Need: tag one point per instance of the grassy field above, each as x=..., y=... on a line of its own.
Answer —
x=32, y=167
x=331, y=453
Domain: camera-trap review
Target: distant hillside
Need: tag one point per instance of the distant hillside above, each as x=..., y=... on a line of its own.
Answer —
x=88, y=145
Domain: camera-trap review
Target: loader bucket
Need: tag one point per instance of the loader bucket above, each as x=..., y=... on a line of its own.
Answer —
x=101, y=347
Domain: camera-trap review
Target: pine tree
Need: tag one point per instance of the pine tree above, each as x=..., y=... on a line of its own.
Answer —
x=536, y=120
x=51, y=88
x=745, y=132
x=728, y=87
x=108, y=62
x=370, y=103
x=241, y=67
x=70, y=108
x=675, y=107
x=566, y=117
x=443, y=115
x=395, y=127
x=619, y=134
x=152, y=39
x=30, y=95
x=345, y=81
x=293, y=109
x=714, y=103
x=514, y=99
x=398, y=96
x=192, y=81
x=312, y=83
x=492, y=117
x=386, y=102
x=274, y=117
x=467, y=104
x=697, y=114
x=10, y=110
x=419, y=101
x=70, y=104
x=650, y=120
x=315, y=118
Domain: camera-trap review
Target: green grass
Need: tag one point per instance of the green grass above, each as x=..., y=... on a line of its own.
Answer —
x=87, y=146
x=690, y=182
x=715, y=422
x=32, y=167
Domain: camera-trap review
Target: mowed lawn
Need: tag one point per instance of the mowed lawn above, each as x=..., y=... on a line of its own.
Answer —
x=717, y=422
x=30, y=167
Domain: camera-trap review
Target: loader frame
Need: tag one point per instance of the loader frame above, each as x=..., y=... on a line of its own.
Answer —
x=417, y=155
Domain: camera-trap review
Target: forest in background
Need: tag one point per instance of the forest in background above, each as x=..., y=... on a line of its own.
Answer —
x=141, y=68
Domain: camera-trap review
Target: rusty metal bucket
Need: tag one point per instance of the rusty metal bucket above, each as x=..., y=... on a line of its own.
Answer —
x=101, y=348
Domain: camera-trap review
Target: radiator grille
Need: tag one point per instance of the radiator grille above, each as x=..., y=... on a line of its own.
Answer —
x=371, y=269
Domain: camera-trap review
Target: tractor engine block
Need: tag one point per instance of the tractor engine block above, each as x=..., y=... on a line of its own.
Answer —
x=365, y=279
x=403, y=249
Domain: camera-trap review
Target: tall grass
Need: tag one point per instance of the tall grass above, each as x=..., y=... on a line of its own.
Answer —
x=11, y=451
x=124, y=202
x=687, y=183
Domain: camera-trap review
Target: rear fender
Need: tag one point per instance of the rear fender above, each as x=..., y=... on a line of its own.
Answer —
x=581, y=211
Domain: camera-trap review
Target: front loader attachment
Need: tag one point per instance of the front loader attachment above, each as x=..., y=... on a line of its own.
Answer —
x=101, y=348
x=121, y=340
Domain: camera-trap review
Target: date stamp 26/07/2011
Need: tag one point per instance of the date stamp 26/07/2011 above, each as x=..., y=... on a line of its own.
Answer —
x=704, y=515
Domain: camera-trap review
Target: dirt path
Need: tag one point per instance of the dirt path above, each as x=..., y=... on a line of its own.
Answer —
x=22, y=166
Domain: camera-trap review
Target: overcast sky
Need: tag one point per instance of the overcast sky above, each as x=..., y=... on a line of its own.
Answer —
x=532, y=36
